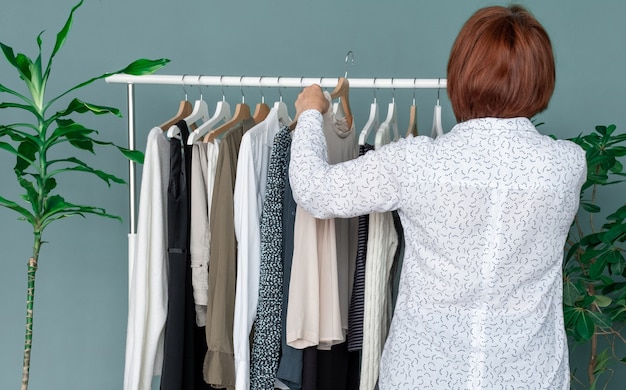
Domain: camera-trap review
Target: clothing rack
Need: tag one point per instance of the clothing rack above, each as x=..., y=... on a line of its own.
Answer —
x=243, y=81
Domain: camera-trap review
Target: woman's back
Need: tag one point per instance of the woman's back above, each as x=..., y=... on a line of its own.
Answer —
x=487, y=208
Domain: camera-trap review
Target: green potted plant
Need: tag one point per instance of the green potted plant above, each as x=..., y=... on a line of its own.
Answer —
x=594, y=268
x=33, y=143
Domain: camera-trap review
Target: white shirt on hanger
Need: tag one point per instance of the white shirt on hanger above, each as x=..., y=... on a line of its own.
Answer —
x=147, y=306
x=251, y=179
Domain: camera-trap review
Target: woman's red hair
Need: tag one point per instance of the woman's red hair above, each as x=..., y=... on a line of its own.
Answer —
x=501, y=65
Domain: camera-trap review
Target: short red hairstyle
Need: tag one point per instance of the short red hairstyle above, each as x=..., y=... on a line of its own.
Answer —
x=501, y=65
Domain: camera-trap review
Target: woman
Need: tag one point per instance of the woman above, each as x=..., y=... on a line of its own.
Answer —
x=486, y=209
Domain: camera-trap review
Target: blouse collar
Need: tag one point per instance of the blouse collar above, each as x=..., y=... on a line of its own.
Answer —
x=496, y=124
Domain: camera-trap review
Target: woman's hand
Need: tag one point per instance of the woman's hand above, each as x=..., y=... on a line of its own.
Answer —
x=311, y=97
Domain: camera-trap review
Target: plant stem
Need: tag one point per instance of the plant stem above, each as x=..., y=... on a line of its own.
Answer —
x=593, y=354
x=30, y=299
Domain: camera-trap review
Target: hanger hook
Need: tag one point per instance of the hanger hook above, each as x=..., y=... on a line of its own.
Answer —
x=200, y=87
x=243, y=98
x=438, y=89
x=261, y=89
x=348, y=55
x=414, y=88
x=182, y=83
x=280, y=94
x=374, y=89
x=222, y=88
x=393, y=92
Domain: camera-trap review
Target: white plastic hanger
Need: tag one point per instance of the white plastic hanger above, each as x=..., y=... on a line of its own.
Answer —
x=200, y=112
x=221, y=114
x=372, y=123
x=437, y=128
x=283, y=112
x=383, y=134
x=390, y=124
x=242, y=112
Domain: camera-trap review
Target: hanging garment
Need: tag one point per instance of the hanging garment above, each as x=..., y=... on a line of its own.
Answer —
x=357, y=299
x=203, y=160
x=290, y=365
x=183, y=345
x=147, y=306
x=486, y=209
x=382, y=243
x=219, y=362
x=267, y=340
x=318, y=309
x=249, y=196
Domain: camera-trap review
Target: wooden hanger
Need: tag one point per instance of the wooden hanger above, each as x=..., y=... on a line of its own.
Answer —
x=184, y=109
x=242, y=112
x=412, y=130
x=341, y=91
x=260, y=112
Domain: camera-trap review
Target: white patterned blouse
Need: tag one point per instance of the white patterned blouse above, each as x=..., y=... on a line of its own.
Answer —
x=486, y=209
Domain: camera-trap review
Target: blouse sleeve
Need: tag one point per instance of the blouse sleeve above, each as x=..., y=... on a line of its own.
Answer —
x=367, y=184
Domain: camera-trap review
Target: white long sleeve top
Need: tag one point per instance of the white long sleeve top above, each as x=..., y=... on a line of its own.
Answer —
x=486, y=209
x=147, y=305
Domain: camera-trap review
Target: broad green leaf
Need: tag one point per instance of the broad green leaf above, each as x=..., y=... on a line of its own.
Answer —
x=62, y=35
x=9, y=54
x=618, y=215
x=11, y=149
x=24, y=107
x=84, y=144
x=590, y=208
x=585, y=326
x=144, y=66
x=29, y=150
x=32, y=196
x=617, y=151
x=76, y=105
x=49, y=185
x=14, y=93
x=602, y=300
x=24, y=66
x=601, y=129
x=570, y=294
x=108, y=178
x=27, y=215
x=602, y=361
x=596, y=268
x=72, y=131
x=601, y=320
x=573, y=249
x=133, y=155
x=590, y=254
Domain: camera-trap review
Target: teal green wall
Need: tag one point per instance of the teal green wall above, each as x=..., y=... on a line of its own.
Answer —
x=81, y=303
